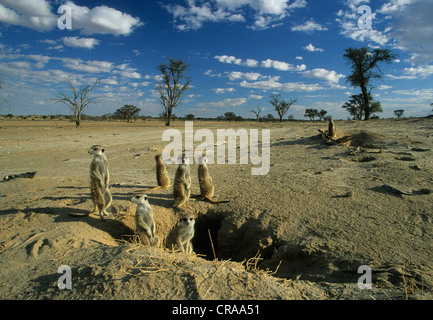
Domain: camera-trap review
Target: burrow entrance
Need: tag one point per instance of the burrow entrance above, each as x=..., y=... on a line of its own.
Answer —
x=205, y=241
x=218, y=234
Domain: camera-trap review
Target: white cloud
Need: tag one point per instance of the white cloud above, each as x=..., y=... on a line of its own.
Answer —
x=273, y=84
x=394, y=6
x=237, y=75
x=413, y=28
x=268, y=63
x=124, y=71
x=193, y=17
x=312, y=48
x=255, y=96
x=282, y=66
x=35, y=14
x=424, y=96
x=402, y=77
x=320, y=73
x=384, y=87
x=348, y=20
x=420, y=71
x=223, y=90
x=76, y=42
x=229, y=59
x=88, y=66
x=196, y=13
x=103, y=20
x=309, y=27
x=224, y=103
x=38, y=15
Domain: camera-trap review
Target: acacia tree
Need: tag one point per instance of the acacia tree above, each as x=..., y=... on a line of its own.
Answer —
x=322, y=113
x=398, y=113
x=172, y=85
x=78, y=101
x=127, y=112
x=311, y=113
x=365, y=68
x=355, y=106
x=281, y=106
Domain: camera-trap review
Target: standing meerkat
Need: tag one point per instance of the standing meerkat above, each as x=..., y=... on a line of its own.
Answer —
x=162, y=177
x=144, y=222
x=331, y=129
x=205, y=181
x=182, y=183
x=99, y=181
x=180, y=237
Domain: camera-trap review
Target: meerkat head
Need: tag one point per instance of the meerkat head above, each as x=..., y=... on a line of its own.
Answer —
x=183, y=159
x=202, y=160
x=187, y=220
x=96, y=150
x=139, y=198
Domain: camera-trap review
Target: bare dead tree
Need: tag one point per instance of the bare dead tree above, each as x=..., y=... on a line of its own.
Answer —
x=257, y=113
x=172, y=85
x=78, y=101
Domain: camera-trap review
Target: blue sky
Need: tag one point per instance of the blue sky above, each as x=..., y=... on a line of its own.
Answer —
x=239, y=51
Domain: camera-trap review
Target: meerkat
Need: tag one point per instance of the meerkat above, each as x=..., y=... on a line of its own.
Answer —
x=144, y=222
x=331, y=128
x=205, y=181
x=182, y=183
x=180, y=237
x=162, y=177
x=99, y=181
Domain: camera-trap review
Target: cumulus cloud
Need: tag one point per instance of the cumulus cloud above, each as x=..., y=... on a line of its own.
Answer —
x=237, y=75
x=282, y=66
x=223, y=90
x=309, y=27
x=197, y=12
x=312, y=48
x=39, y=15
x=224, y=103
x=268, y=63
x=348, y=21
x=88, y=66
x=274, y=84
x=76, y=42
x=102, y=20
x=323, y=74
x=413, y=28
x=420, y=71
x=34, y=14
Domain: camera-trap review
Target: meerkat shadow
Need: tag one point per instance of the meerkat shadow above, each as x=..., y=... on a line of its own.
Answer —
x=115, y=228
x=161, y=200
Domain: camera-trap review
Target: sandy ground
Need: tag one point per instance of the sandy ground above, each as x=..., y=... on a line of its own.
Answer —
x=299, y=232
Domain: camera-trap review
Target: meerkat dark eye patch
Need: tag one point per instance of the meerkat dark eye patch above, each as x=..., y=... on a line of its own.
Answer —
x=145, y=198
x=102, y=150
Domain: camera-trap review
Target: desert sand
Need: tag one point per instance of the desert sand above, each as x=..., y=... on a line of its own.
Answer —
x=299, y=232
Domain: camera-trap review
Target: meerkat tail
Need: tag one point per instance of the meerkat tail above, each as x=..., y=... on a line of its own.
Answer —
x=156, y=188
